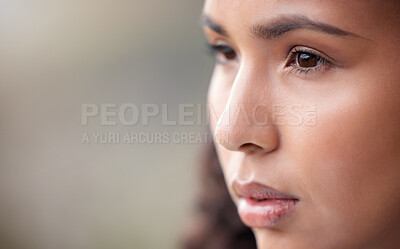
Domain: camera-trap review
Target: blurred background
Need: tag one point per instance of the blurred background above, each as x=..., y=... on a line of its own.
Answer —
x=57, y=191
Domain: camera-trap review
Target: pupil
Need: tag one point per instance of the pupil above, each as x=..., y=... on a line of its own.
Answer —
x=306, y=60
x=230, y=54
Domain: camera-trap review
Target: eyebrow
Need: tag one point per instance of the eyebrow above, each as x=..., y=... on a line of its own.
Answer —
x=282, y=25
x=209, y=22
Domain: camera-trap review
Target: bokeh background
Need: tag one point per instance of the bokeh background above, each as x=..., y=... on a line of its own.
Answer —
x=55, y=191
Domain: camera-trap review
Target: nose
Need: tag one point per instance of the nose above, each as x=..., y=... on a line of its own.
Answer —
x=246, y=123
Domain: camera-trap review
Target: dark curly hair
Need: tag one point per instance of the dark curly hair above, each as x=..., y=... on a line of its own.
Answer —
x=215, y=223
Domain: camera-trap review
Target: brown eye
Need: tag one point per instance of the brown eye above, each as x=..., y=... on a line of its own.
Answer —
x=306, y=60
x=229, y=54
x=223, y=53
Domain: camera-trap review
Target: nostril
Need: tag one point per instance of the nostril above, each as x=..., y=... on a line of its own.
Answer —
x=249, y=147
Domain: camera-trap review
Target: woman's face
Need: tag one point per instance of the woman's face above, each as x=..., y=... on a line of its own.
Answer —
x=305, y=109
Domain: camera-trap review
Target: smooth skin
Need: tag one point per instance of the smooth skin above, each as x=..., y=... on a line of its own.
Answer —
x=342, y=159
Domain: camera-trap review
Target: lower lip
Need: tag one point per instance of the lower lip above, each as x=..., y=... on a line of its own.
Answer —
x=266, y=213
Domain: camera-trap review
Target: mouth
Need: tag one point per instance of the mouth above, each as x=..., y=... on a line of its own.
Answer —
x=261, y=206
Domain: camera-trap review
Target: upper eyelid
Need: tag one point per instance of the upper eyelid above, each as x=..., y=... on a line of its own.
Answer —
x=217, y=40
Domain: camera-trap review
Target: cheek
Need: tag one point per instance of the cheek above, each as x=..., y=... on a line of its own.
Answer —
x=349, y=161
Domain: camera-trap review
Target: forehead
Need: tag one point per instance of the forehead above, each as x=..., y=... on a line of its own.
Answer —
x=368, y=18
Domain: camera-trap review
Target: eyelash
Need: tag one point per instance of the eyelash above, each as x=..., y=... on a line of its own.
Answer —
x=293, y=61
x=224, y=54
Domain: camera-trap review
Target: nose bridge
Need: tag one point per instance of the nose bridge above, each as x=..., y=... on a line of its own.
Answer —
x=246, y=121
x=243, y=98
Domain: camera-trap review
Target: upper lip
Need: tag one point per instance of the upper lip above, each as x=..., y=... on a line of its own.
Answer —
x=258, y=191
